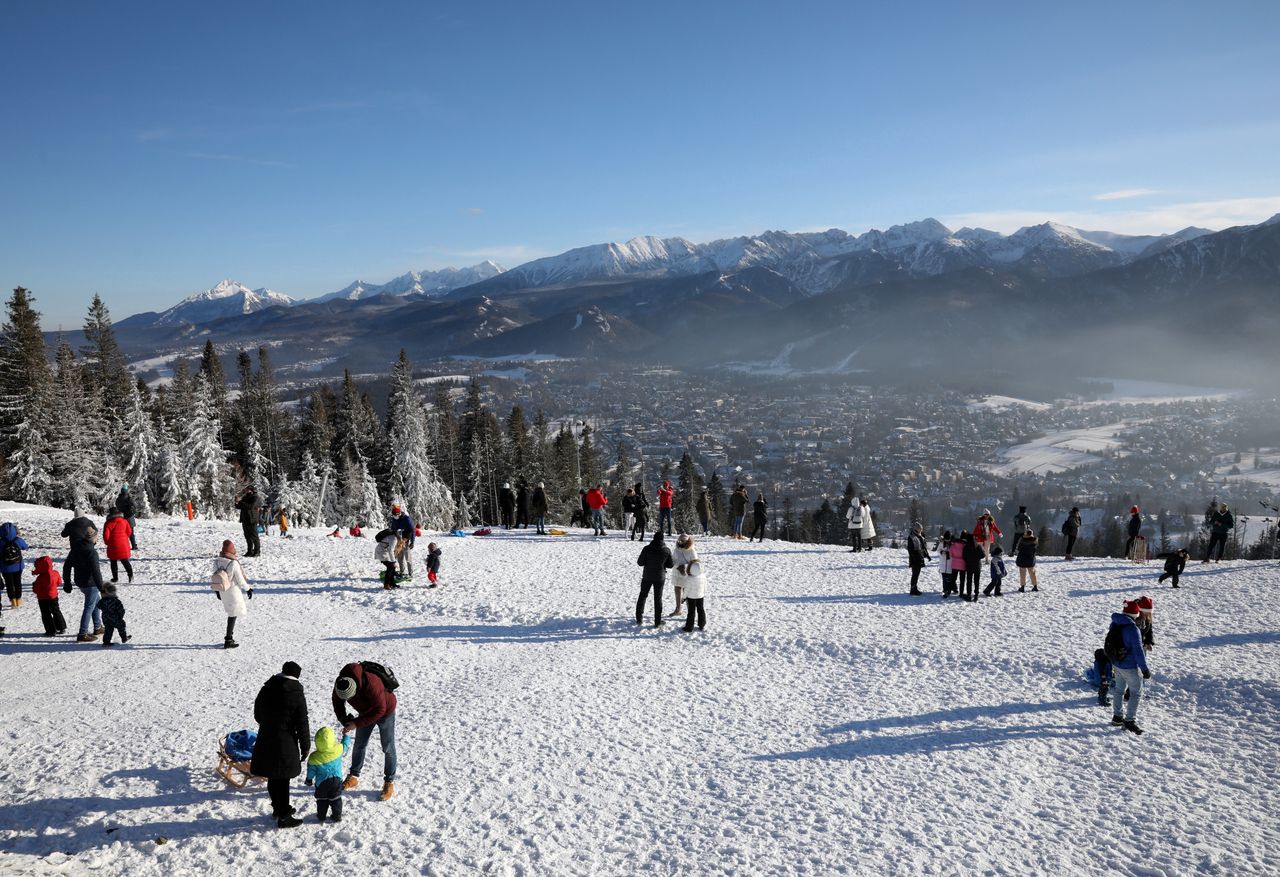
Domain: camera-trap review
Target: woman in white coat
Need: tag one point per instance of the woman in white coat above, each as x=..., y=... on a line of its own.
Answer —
x=692, y=580
x=854, y=517
x=681, y=556
x=868, y=525
x=232, y=589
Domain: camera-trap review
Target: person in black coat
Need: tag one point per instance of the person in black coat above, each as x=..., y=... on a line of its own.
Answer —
x=507, y=505
x=522, y=507
x=249, y=504
x=124, y=504
x=974, y=560
x=760, y=510
x=656, y=560
x=84, y=568
x=917, y=555
x=284, y=738
x=1175, y=564
x=1135, y=527
x=641, y=510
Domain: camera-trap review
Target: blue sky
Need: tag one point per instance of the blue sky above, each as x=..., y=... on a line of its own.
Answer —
x=148, y=150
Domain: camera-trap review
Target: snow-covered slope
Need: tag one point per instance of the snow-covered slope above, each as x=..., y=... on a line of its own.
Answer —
x=419, y=282
x=227, y=299
x=825, y=722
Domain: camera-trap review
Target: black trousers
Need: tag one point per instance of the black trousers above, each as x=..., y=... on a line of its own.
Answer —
x=507, y=516
x=1168, y=575
x=915, y=578
x=13, y=585
x=696, y=605
x=115, y=573
x=522, y=519
x=252, y=547
x=1071, y=543
x=993, y=586
x=644, y=598
x=641, y=524
x=758, y=528
x=231, y=626
x=855, y=540
x=969, y=582
x=329, y=797
x=1218, y=539
x=278, y=789
x=389, y=574
x=51, y=617
x=106, y=636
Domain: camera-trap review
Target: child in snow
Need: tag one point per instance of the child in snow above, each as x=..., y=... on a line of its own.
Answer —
x=1146, y=608
x=998, y=571
x=956, y=549
x=45, y=588
x=283, y=523
x=1175, y=563
x=433, y=564
x=324, y=771
x=112, y=615
x=232, y=589
x=944, y=563
x=694, y=584
x=973, y=558
x=11, y=547
x=385, y=552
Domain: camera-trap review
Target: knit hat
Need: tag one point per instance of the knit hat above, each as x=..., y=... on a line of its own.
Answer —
x=291, y=668
x=108, y=588
x=395, y=508
x=987, y=512
x=1146, y=604
x=228, y=548
x=1131, y=609
x=345, y=687
x=1133, y=511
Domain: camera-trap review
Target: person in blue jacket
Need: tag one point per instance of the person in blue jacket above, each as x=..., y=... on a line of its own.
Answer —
x=1130, y=669
x=324, y=771
x=11, y=547
x=403, y=526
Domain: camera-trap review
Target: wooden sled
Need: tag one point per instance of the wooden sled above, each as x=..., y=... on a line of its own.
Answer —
x=1138, y=554
x=237, y=773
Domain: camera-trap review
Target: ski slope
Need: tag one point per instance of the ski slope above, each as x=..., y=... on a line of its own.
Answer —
x=824, y=723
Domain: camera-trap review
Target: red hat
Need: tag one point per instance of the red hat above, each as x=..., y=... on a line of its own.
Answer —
x=228, y=548
x=1131, y=608
x=1133, y=511
x=1146, y=604
x=396, y=508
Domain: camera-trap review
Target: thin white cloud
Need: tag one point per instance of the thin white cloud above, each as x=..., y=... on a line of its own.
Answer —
x=241, y=159
x=1121, y=194
x=1162, y=219
x=473, y=211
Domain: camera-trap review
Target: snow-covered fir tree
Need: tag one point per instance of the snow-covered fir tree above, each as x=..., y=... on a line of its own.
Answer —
x=137, y=452
x=414, y=478
x=25, y=403
x=255, y=467
x=205, y=459
x=362, y=505
x=167, y=479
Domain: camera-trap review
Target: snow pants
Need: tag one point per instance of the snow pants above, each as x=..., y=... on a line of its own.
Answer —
x=657, y=587
x=388, y=575
x=1168, y=575
x=124, y=634
x=329, y=797
x=51, y=617
x=1102, y=664
x=252, y=546
x=13, y=585
x=759, y=528
x=855, y=539
x=993, y=586
x=1126, y=678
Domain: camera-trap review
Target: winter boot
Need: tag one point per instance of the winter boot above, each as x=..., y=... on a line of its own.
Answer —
x=288, y=822
x=1132, y=726
x=389, y=789
x=350, y=782
x=1103, y=700
x=229, y=643
x=99, y=630
x=16, y=604
x=86, y=637
x=1117, y=721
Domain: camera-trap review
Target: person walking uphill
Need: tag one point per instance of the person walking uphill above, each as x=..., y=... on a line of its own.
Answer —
x=117, y=533
x=124, y=502
x=83, y=568
x=375, y=706
x=250, y=505
x=1128, y=659
x=917, y=555
x=11, y=547
x=233, y=590
x=284, y=739
x=666, y=499
x=656, y=560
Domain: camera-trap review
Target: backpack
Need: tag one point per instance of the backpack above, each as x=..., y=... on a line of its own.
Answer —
x=388, y=677
x=220, y=582
x=1113, y=647
x=11, y=554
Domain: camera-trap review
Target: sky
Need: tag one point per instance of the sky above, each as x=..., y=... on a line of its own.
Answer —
x=149, y=150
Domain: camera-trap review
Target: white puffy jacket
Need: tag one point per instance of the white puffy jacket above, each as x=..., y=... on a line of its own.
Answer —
x=234, y=602
x=694, y=582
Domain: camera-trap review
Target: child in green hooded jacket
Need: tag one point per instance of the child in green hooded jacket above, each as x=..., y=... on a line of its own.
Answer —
x=324, y=769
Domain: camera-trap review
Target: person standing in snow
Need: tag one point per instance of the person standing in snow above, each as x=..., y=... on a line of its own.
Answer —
x=1071, y=529
x=944, y=563
x=117, y=534
x=1221, y=523
x=655, y=558
x=683, y=554
x=324, y=771
x=760, y=512
x=738, y=507
x=596, y=501
x=1135, y=528
x=703, y=509
x=539, y=504
x=917, y=555
x=1128, y=665
x=956, y=550
x=666, y=501
x=284, y=738
x=124, y=502
x=854, y=518
x=375, y=707
x=433, y=564
x=83, y=568
x=404, y=527
x=1146, y=621
x=692, y=584
x=998, y=572
x=629, y=512
x=973, y=563
x=45, y=587
x=522, y=506
x=507, y=505
x=1026, y=560
x=249, y=503
x=642, y=512
x=868, y=524
x=112, y=615
x=1021, y=524
x=232, y=589
x=1175, y=563
x=11, y=547
x=985, y=533
x=384, y=551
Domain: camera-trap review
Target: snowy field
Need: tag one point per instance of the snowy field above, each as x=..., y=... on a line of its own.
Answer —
x=1140, y=392
x=1059, y=451
x=825, y=723
x=1270, y=477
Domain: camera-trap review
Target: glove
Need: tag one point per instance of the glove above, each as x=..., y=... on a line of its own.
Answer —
x=66, y=589
x=218, y=594
x=250, y=592
x=309, y=783
x=1146, y=674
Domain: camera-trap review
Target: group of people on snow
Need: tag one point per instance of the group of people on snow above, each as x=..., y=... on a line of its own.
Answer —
x=688, y=580
x=1121, y=663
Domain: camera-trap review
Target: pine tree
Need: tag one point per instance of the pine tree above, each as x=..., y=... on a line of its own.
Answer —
x=138, y=452
x=30, y=468
x=215, y=378
x=719, y=503
x=75, y=459
x=168, y=480
x=413, y=477
x=25, y=394
x=688, y=486
x=203, y=456
x=519, y=446
x=254, y=466
x=362, y=504
x=590, y=465
x=315, y=432
x=621, y=480
x=103, y=364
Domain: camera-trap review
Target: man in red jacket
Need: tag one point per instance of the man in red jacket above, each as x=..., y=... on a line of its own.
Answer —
x=364, y=692
x=666, y=497
x=596, y=501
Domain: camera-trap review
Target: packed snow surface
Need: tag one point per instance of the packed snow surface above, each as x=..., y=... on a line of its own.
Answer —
x=825, y=722
x=1059, y=451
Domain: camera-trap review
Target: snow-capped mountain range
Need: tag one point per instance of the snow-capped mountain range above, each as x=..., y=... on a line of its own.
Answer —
x=227, y=299
x=419, y=282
